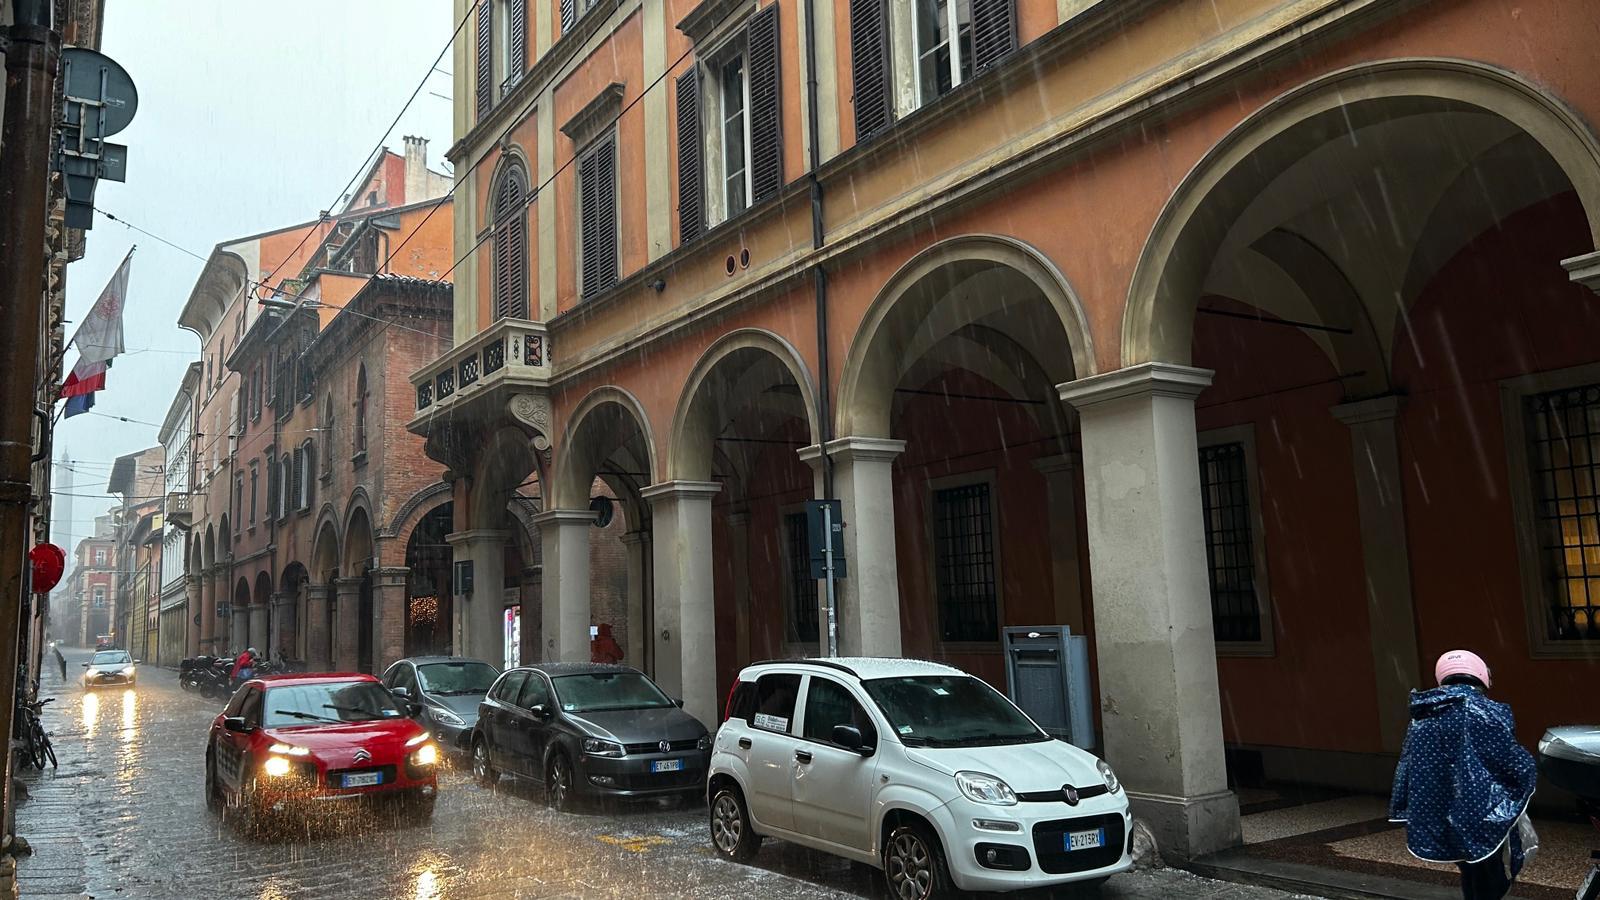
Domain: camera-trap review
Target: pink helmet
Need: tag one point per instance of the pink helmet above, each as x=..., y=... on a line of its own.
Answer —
x=1461, y=662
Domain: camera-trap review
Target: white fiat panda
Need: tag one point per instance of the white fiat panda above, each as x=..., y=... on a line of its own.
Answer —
x=913, y=767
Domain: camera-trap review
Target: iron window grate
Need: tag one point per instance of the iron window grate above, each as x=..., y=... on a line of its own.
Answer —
x=1230, y=546
x=803, y=617
x=1564, y=429
x=964, y=564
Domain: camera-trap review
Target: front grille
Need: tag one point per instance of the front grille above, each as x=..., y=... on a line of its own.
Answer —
x=655, y=746
x=1049, y=844
x=336, y=776
x=1056, y=796
x=659, y=781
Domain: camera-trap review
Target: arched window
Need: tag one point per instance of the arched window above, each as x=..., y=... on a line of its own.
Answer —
x=327, y=433
x=511, y=243
x=360, y=425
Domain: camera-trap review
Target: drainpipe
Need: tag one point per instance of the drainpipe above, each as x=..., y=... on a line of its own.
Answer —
x=819, y=281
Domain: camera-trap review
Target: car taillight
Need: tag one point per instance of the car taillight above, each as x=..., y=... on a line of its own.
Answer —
x=727, y=708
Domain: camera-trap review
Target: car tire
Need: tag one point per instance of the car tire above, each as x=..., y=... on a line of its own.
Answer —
x=732, y=836
x=482, y=769
x=214, y=799
x=560, y=786
x=914, y=866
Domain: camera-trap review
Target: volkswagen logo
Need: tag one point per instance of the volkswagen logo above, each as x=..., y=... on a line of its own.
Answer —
x=666, y=746
x=1070, y=794
x=363, y=756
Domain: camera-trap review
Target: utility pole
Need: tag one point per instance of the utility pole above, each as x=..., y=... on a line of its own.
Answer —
x=31, y=62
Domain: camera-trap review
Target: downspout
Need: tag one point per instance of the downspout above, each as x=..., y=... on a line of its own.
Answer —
x=819, y=280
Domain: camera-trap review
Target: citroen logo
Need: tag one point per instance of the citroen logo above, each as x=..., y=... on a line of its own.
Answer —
x=1070, y=793
x=363, y=756
x=666, y=746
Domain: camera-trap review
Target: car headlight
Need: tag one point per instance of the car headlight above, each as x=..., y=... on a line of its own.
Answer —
x=704, y=743
x=426, y=755
x=128, y=670
x=1112, y=784
x=446, y=716
x=276, y=766
x=983, y=788
x=289, y=750
x=597, y=747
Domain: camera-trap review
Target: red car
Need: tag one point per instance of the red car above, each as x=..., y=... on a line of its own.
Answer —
x=294, y=743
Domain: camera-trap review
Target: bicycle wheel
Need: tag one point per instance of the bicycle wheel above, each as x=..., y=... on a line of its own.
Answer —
x=36, y=743
x=49, y=751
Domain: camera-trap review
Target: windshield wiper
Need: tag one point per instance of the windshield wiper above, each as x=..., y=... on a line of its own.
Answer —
x=355, y=710
x=296, y=714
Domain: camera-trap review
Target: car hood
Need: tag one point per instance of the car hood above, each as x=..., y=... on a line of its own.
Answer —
x=637, y=726
x=112, y=669
x=1042, y=766
x=463, y=705
x=336, y=745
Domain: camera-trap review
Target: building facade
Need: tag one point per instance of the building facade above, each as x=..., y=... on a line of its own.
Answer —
x=179, y=633
x=1255, y=340
x=90, y=586
x=138, y=479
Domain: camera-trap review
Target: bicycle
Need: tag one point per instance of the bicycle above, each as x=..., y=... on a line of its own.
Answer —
x=33, y=746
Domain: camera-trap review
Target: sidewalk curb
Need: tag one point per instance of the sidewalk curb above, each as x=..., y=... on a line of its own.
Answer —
x=1242, y=868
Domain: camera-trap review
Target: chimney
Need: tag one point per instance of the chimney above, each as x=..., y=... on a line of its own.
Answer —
x=416, y=169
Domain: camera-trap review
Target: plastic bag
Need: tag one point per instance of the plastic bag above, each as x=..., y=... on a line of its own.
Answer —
x=1528, y=838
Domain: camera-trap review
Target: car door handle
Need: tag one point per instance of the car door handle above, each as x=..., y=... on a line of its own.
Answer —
x=803, y=755
x=744, y=743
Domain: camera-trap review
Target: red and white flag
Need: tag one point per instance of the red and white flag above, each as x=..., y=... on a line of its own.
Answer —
x=99, y=338
x=86, y=378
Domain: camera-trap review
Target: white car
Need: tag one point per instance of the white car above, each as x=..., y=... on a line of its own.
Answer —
x=109, y=667
x=913, y=767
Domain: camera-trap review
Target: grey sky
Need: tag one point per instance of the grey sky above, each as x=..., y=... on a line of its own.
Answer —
x=252, y=115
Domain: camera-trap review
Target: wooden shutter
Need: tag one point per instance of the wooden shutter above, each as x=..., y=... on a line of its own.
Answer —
x=994, y=32
x=272, y=489
x=297, y=482
x=485, y=61
x=869, y=67
x=766, y=114
x=569, y=15
x=510, y=246
x=597, y=175
x=517, y=57
x=691, y=175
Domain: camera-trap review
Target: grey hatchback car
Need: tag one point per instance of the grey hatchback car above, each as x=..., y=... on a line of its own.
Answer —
x=589, y=729
x=448, y=689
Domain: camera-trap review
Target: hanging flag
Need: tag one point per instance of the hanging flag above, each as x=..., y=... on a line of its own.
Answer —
x=85, y=378
x=82, y=403
x=99, y=338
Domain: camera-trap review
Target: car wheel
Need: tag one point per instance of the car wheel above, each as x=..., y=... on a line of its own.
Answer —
x=914, y=866
x=731, y=834
x=213, y=789
x=482, y=770
x=559, y=789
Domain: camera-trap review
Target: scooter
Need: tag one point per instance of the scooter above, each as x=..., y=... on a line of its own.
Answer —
x=1569, y=758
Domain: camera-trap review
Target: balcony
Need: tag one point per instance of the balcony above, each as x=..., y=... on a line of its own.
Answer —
x=505, y=369
x=180, y=508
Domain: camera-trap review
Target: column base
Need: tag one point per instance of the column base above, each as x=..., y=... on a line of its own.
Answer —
x=1188, y=827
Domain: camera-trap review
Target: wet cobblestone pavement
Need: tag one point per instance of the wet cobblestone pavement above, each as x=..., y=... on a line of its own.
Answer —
x=124, y=817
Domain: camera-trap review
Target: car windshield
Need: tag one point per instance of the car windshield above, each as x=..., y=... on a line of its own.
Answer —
x=332, y=701
x=950, y=711
x=112, y=658
x=602, y=691
x=457, y=677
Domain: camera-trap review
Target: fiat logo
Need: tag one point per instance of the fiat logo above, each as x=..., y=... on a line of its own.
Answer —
x=1070, y=793
x=363, y=756
x=666, y=746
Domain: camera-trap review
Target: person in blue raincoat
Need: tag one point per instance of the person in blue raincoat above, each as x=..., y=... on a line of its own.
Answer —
x=1463, y=780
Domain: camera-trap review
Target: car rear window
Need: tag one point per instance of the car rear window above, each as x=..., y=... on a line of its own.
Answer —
x=774, y=702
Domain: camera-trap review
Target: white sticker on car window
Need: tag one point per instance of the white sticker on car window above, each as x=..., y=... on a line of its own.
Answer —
x=569, y=707
x=772, y=723
x=906, y=729
x=941, y=692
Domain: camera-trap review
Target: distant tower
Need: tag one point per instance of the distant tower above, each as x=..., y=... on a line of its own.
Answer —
x=61, y=526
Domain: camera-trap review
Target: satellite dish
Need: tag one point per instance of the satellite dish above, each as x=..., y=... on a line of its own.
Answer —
x=97, y=79
x=603, y=510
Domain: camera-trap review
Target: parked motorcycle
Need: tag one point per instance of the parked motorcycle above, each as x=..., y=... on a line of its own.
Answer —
x=1569, y=758
x=206, y=675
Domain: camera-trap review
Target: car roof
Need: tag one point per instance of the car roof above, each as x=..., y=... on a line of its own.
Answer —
x=862, y=667
x=578, y=668
x=304, y=678
x=426, y=660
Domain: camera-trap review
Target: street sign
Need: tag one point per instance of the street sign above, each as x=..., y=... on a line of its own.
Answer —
x=822, y=536
x=99, y=100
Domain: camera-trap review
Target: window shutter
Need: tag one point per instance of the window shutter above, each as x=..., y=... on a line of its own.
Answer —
x=691, y=176
x=511, y=246
x=994, y=32
x=598, y=174
x=311, y=483
x=569, y=15
x=518, y=28
x=485, y=61
x=298, y=479
x=869, y=67
x=272, y=487
x=766, y=112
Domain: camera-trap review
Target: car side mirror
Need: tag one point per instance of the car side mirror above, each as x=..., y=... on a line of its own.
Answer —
x=138, y=661
x=402, y=692
x=86, y=665
x=539, y=711
x=237, y=723
x=413, y=708
x=849, y=737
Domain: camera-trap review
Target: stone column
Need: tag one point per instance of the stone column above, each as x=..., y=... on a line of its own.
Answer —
x=564, y=596
x=193, y=615
x=347, y=624
x=532, y=613
x=739, y=547
x=238, y=628
x=319, y=654
x=260, y=626
x=1061, y=497
x=282, y=611
x=1157, y=654
x=638, y=549
x=478, y=629
x=685, y=605
x=869, y=597
x=1387, y=560
x=389, y=614
x=208, y=613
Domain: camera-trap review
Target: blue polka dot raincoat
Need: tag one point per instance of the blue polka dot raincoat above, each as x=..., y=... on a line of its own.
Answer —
x=1463, y=779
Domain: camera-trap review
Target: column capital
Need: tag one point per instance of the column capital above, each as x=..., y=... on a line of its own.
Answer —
x=1584, y=270
x=282, y=598
x=1064, y=462
x=853, y=448
x=319, y=591
x=1151, y=379
x=681, y=490
x=1373, y=409
x=476, y=536
x=636, y=537
x=559, y=517
x=347, y=585
x=391, y=574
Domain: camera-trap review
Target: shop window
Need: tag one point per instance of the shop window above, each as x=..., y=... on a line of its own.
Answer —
x=803, y=613
x=965, y=565
x=1235, y=555
x=1563, y=447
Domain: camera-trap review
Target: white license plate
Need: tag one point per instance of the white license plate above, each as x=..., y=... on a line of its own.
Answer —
x=1086, y=840
x=667, y=765
x=362, y=779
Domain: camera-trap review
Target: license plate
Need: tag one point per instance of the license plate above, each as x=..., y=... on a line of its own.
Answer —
x=1085, y=840
x=362, y=779
x=667, y=765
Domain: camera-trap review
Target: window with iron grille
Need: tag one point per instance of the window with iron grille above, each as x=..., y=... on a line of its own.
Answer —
x=1230, y=545
x=1564, y=452
x=802, y=589
x=964, y=564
